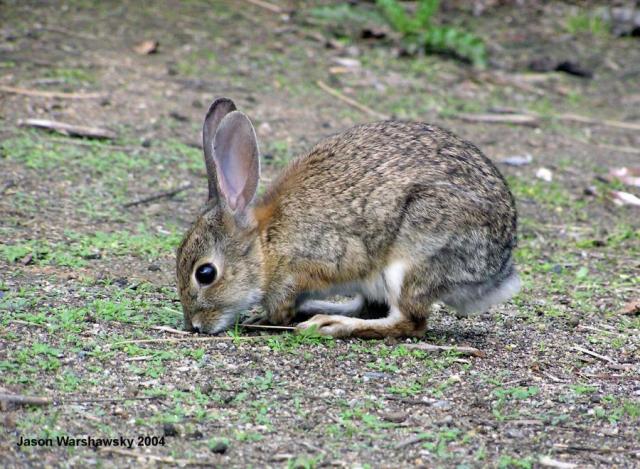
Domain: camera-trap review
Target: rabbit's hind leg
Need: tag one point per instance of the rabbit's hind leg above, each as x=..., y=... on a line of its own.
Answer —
x=404, y=319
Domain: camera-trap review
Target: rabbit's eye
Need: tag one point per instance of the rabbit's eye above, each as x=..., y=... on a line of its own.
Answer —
x=206, y=274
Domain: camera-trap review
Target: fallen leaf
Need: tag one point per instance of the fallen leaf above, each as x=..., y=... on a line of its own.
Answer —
x=582, y=272
x=633, y=307
x=146, y=47
x=624, y=198
x=548, y=461
x=545, y=174
x=628, y=176
x=347, y=62
x=517, y=160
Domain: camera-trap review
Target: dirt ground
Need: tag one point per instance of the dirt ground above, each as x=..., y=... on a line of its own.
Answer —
x=86, y=277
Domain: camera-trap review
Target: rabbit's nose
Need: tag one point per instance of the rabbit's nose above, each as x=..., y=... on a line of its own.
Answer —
x=196, y=323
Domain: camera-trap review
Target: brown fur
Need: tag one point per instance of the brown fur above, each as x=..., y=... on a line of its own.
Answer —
x=340, y=215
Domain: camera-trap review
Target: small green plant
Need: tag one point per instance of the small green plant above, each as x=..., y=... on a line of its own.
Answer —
x=420, y=30
x=586, y=23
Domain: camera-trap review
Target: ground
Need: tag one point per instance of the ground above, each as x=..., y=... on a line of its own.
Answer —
x=84, y=275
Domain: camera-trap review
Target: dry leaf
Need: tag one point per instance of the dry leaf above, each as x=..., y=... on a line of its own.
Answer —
x=624, y=198
x=517, y=160
x=146, y=47
x=633, y=307
x=545, y=174
x=628, y=176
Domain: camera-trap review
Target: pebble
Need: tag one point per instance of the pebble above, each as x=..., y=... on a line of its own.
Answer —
x=170, y=429
x=219, y=448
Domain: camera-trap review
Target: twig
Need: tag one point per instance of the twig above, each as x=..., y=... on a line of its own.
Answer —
x=534, y=119
x=24, y=400
x=443, y=348
x=160, y=459
x=170, y=330
x=266, y=5
x=27, y=323
x=516, y=119
x=68, y=129
x=594, y=449
x=406, y=400
x=8, y=186
x=37, y=400
x=621, y=149
x=138, y=359
x=101, y=146
x=68, y=32
x=159, y=195
x=605, y=122
x=261, y=326
x=547, y=461
x=186, y=339
x=351, y=102
x=593, y=354
x=412, y=440
x=49, y=94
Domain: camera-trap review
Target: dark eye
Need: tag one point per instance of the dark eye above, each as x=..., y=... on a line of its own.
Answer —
x=206, y=274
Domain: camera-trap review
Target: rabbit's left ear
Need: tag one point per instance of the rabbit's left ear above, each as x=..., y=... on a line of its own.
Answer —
x=217, y=111
x=237, y=162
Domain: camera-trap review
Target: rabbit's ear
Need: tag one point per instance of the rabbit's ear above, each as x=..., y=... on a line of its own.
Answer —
x=218, y=109
x=236, y=157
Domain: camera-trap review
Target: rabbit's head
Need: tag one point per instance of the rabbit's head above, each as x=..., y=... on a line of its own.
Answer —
x=219, y=260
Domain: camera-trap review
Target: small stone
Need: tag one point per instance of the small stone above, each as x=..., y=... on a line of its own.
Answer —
x=395, y=417
x=442, y=405
x=170, y=429
x=573, y=321
x=219, y=447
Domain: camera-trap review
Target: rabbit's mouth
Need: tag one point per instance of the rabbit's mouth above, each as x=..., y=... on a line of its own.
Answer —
x=211, y=322
x=217, y=321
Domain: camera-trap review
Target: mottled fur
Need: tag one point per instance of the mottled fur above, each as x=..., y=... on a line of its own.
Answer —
x=379, y=204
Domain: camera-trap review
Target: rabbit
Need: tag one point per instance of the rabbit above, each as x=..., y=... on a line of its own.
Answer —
x=399, y=214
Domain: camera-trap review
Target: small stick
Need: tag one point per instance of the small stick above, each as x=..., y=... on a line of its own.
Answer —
x=411, y=441
x=161, y=459
x=49, y=94
x=266, y=5
x=68, y=32
x=516, y=119
x=443, y=348
x=260, y=326
x=406, y=400
x=68, y=129
x=7, y=186
x=605, y=122
x=187, y=339
x=621, y=149
x=103, y=146
x=351, y=102
x=24, y=400
x=170, y=330
x=138, y=359
x=593, y=354
x=591, y=448
x=36, y=400
x=27, y=323
x=160, y=195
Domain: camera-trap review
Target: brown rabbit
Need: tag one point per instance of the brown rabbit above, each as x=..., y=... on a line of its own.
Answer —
x=399, y=214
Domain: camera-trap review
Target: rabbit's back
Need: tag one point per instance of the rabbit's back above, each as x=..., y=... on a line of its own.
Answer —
x=390, y=190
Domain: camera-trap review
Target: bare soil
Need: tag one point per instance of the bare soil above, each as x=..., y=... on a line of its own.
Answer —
x=83, y=275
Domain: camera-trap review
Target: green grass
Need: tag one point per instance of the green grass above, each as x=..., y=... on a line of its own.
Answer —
x=587, y=23
x=79, y=249
x=421, y=30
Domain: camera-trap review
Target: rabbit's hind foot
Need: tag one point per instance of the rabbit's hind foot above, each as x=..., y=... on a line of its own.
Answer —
x=395, y=324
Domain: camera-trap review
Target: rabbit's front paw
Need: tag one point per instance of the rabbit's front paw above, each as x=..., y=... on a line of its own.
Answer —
x=335, y=326
x=257, y=320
